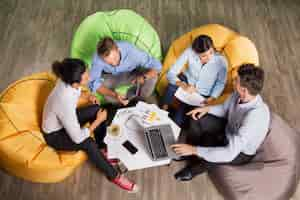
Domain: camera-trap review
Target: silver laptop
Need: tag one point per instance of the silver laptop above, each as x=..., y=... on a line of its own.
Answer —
x=158, y=141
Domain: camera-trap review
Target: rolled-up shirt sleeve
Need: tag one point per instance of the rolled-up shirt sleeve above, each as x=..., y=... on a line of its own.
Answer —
x=252, y=131
x=221, y=110
x=95, y=84
x=220, y=82
x=68, y=118
x=95, y=75
x=223, y=154
x=177, y=66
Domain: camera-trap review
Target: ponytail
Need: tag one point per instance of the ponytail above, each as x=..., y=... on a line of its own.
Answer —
x=57, y=68
x=69, y=70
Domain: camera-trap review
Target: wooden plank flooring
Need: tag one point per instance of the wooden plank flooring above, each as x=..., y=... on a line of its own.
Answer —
x=33, y=33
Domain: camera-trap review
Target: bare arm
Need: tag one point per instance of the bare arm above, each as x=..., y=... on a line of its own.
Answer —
x=106, y=91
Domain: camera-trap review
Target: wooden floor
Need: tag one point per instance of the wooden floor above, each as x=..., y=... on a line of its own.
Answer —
x=33, y=33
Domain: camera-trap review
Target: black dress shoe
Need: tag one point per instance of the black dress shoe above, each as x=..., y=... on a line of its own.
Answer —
x=184, y=174
x=182, y=158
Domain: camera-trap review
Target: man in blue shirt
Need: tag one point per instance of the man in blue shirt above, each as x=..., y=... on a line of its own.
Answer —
x=118, y=63
x=205, y=73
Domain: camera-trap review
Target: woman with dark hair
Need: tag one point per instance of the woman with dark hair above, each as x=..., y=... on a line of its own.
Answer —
x=199, y=69
x=62, y=121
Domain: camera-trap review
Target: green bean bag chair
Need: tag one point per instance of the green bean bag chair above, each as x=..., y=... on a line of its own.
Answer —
x=119, y=25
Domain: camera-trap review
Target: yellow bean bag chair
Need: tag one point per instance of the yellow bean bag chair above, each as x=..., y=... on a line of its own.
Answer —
x=236, y=48
x=23, y=151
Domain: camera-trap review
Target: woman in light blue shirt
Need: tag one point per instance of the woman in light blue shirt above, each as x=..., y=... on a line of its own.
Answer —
x=206, y=74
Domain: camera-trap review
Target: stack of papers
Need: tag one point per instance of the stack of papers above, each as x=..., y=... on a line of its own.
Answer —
x=193, y=99
x=150, y=114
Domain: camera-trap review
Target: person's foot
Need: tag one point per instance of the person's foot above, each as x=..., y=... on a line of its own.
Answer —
x=125, y=184
x=184, y=174
x=181, y=158
x=190, y=171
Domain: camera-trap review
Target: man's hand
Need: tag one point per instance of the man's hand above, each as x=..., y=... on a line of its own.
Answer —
x=106, y=91
x=184, y=149
x=93, y=99
x=182, y=84
x=208, y=100
x=122, y=99
x=191, y=89
x=152, y=73
x=186, y=87
x=139, y=79
x=198, y=112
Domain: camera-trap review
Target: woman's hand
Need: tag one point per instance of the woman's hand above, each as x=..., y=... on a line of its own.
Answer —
x=184, y=149
x=198, y=112
x=101, y=115
x=93, y=99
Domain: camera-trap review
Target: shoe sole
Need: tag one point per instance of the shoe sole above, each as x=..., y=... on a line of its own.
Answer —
x=134, y=190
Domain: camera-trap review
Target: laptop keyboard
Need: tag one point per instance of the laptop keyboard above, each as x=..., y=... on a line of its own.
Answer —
x=156, y=142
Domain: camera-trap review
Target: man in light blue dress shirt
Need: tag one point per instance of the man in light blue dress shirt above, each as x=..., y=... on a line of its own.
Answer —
x=205, y=73
x=118, y=63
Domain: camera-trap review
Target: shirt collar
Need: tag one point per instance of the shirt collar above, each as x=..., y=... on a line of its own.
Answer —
x=210, y=61
x=70, y=89
x=251, y=103
x=123, y=54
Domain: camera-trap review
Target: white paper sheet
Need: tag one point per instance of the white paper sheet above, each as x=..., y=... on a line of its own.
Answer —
x=193, y=99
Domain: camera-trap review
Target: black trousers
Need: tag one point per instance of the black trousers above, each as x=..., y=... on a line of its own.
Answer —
x=60, y=140
x=209, y=131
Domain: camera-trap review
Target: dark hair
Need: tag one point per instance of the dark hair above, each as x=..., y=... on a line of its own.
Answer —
x=105, y=46
x=69, y=70
x=251, y=77
x=202, y=44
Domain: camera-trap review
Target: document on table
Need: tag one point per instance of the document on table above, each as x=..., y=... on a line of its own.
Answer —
x=150, y=114
x=193, y=99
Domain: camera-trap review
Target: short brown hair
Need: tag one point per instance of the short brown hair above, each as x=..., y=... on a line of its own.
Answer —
x=251, y=77
x=105, y=46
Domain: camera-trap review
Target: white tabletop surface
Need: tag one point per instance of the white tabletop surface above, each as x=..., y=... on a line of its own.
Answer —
x=129, y=121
